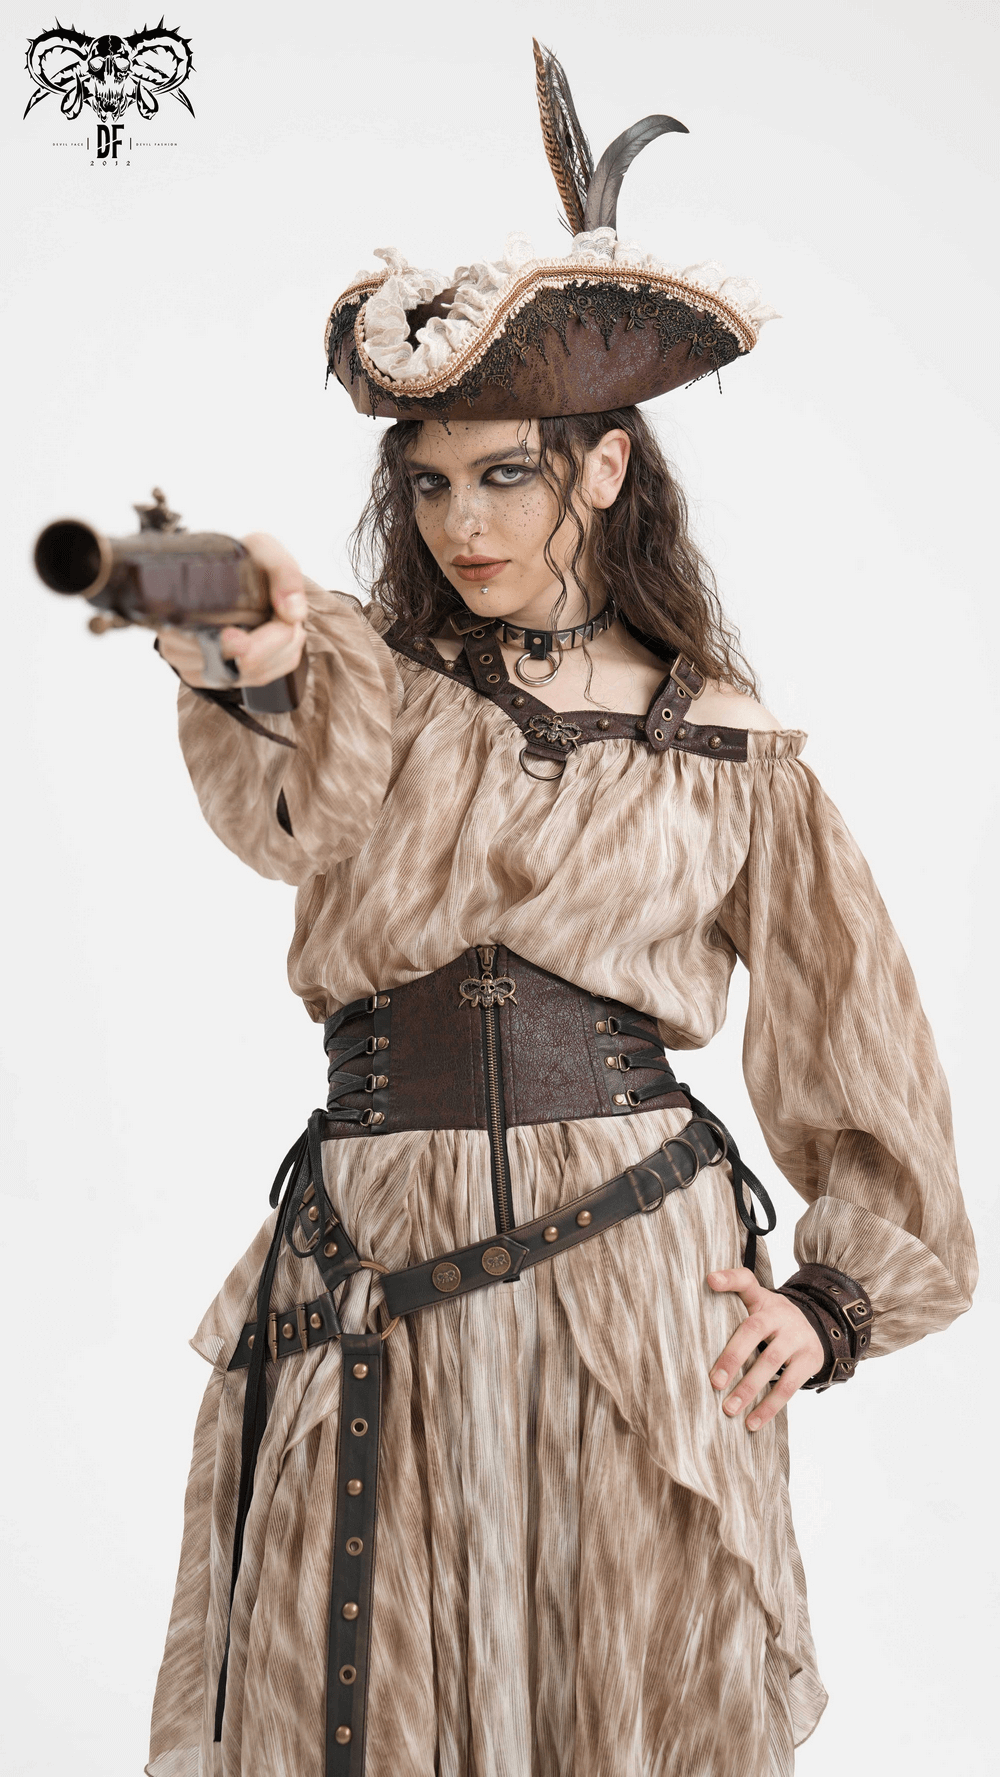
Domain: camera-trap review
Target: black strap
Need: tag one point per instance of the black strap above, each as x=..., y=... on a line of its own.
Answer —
x=743, y=1180
x=301, y=1168
x=255, y=1397
x=353, y=1568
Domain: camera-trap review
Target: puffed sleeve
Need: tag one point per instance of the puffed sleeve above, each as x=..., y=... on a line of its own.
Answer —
x=840, y=1063
x=294, y=812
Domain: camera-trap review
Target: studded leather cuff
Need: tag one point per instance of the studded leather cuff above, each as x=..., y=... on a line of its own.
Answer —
x=839, y=1310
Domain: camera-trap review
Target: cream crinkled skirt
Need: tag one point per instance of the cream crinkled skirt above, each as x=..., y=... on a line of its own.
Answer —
x=584, y=1568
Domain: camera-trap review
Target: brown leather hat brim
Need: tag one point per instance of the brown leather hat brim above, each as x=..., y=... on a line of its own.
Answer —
x=569, y=346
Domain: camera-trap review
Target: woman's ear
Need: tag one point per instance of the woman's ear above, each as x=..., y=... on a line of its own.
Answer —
x=605, y=468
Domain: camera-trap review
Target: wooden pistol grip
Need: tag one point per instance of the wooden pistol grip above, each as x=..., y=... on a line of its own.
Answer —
x=280, y=696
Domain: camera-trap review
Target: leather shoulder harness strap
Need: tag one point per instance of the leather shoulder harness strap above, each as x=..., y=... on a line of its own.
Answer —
x=551, y=734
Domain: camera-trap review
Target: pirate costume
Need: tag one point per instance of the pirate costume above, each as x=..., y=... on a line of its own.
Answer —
x=463, y=1499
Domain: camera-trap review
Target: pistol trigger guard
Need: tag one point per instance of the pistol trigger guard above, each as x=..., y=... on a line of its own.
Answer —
x=218, y=674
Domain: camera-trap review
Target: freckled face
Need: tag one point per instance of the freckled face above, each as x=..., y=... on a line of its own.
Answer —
x=486, y=514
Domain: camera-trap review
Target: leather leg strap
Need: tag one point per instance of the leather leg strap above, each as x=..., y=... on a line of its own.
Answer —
x=353, y=1554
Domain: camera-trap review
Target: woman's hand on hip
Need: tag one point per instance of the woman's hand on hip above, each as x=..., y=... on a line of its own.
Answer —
x=262, y=654
x=793, y=1347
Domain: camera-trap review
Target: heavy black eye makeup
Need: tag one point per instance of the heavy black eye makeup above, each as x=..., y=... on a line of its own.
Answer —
x=429, y=483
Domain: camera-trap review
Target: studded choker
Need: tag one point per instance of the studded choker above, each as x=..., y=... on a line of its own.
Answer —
x=539, y=644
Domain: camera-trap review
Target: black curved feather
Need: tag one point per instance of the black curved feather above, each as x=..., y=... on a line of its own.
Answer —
x=601, y=208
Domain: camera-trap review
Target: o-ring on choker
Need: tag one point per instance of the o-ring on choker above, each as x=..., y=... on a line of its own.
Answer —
x=539, y=644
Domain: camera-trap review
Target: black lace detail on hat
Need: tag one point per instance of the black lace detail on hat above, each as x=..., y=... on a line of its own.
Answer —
x=600, y=304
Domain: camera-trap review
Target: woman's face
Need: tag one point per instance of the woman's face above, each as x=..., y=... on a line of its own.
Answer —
x=486, y=512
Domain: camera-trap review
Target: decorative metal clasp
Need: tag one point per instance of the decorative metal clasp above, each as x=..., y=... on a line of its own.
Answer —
x=488, y=990
x=553, y=730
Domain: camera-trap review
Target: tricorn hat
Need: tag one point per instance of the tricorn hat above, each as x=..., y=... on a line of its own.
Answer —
x=606, y=325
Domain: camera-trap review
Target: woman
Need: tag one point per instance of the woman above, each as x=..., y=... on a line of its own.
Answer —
x=535, y=814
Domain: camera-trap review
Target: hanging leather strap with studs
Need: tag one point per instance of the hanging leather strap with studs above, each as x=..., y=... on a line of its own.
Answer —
x=353, y=1570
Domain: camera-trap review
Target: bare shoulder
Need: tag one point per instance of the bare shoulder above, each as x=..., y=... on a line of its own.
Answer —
x=723, y=707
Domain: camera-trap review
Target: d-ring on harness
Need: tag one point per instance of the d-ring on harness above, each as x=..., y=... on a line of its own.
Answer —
x=501, y=1258
x=545, y=644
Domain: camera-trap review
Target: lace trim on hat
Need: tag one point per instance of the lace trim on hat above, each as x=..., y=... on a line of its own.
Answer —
x=486, y=288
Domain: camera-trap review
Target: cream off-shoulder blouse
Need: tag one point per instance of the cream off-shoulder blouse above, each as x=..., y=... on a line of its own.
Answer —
x=585, y=1569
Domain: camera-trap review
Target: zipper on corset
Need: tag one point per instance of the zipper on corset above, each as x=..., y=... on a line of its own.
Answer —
x=496, y=1121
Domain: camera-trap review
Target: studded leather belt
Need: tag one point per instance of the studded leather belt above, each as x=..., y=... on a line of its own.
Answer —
x=489, y=982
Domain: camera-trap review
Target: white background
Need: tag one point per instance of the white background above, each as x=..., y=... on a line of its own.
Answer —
x=164, y=323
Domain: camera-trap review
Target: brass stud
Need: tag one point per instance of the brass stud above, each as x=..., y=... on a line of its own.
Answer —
x=519, y=702
x=551, y=1233
x=619, y=1098
x=681, y=733
x=601, y=1026
x=316, y=1320
x=250, y=1342
x=383, y=999
x=350, y=1610
x=358, y=1427
x=378, y=1117
x=288, y=1331
x=640, y=728
x=313, y=1213
x=383, y=1042
x=347, y=1674
x=419, y=642
x=360, y=1371
x=354, y=1545
x=611, y=1061
x=446, y=1278
x=354, y=1488
x=343, y=1736
x=331, y=1249
x=657, y=733
x=715, y=740
x=584, y=1219
x=449, y=666
x=603, y=722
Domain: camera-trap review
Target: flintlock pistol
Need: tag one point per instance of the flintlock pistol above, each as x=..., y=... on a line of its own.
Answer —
x=163, y=575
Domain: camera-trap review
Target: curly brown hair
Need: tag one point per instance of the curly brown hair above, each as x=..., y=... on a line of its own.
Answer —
x=638, y=552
